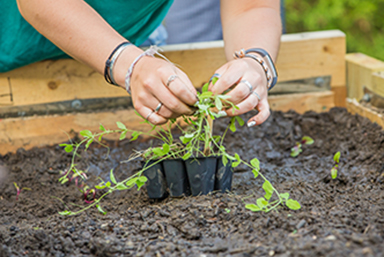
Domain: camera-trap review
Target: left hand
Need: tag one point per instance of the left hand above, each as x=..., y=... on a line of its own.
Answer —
x=232, y=74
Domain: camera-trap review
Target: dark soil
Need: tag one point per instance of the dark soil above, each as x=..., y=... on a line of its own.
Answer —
x=341, y=217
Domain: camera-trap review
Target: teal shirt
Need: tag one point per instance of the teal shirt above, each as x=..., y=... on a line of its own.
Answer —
x=21, y=44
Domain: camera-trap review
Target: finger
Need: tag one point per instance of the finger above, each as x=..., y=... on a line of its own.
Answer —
x=264, y=113
x=154, y=104
x=181, y=87
x=230, y=75
x=245, y=106
x=241, y=91
x=150, y=115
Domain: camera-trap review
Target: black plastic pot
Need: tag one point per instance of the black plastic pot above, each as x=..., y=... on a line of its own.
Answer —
x=201, y=174
x=176, y=177
x=224, y=174
x=156, y=184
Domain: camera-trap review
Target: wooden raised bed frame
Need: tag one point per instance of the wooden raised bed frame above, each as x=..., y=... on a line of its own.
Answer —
x=303, y=55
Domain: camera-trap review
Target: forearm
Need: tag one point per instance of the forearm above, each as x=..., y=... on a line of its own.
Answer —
x=75, y=28
x=255, y=27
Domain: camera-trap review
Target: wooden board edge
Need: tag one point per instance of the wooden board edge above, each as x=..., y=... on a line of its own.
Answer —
x=354, y=107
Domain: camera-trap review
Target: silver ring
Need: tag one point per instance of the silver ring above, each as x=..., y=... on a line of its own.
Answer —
x=246, y=82
x=216, y=75
x=158, y=107
x=257, y=95
x=171, y=78
x=152, y=112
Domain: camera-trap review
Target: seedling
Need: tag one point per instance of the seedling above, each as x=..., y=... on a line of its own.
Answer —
x=297, y=149
x=335, y=168
x=18, y=190
x=196, y=140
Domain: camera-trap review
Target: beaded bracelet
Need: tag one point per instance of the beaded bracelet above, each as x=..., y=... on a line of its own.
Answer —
x=108, y=70
x=149, y=52
x=270, y=72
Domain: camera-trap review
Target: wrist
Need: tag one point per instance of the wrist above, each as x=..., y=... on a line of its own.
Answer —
x=123, y=63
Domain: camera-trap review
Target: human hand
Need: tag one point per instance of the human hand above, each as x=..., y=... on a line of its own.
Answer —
x=161, y=91
x=247, y=81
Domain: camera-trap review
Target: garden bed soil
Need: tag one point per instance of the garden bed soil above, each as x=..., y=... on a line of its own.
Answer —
x=341, y=217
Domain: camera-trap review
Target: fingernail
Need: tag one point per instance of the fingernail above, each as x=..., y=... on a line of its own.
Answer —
x=222, y=114
x=251, y=124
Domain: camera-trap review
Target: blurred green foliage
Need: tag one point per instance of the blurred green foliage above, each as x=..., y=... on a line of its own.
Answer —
x=361, y=21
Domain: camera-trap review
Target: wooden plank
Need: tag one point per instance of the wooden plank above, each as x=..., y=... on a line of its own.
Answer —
x=302, y=55
x=356, y=108
x=317, y=101
x=48, y=130
x=360, y=69
x=378, y=83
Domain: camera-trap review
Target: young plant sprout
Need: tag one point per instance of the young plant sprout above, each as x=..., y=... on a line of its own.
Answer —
x=335, y=168
x=296, y=150
x=196, y=140
x=18, y=190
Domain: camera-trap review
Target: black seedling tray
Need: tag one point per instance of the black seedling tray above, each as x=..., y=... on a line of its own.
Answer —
x=196, y=176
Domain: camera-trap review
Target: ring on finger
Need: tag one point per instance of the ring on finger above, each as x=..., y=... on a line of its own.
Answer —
x=246, y=82
x=257, y=95
x=216, y=75
x=171, y=78
x=152, y=112
x=158, y=107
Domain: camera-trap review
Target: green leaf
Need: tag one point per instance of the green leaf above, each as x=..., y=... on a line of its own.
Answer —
x=143, y=179
x=214, y=79
x=255, y=163
x=65, y=213
x=225, y=160
x=307, y=140
x=63, y=180
x=100, y=137
x=89, y=143
x=102, y=127
x=68, y=148
x=252, y=207
x=205, y=87
x=108, y=184
x=121, y=125
x=218, y=104
x=112, y=177
x=100, y=209
x=101, y=186
x=140, y=182
x=206, y=94
x=334, y=172
x=293, y=204
x=185, y=140
x=336, y=157
x=121, y=186
x=135, y=135
x=296, y=150
x=166, y=148
x=239, y=120
x=285, y=196
x=186, y=156
x=232, y=125
x=261, y=202
x=123, y=135
x=131, y=182
x=86, y=133
x=237, y=162
x=158, y=151
x=268, y=188
x=255, y=173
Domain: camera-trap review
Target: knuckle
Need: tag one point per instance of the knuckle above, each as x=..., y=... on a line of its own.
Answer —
x=173, y=105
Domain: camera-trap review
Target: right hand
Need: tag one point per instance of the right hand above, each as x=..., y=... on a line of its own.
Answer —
x=149, y=88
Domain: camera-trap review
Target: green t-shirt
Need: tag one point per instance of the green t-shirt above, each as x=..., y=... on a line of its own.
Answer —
x=21, y=44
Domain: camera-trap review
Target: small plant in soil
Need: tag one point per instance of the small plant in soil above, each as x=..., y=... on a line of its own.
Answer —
x=297, y=149
x=196, y=141
x=18, y=190
x=335, y=168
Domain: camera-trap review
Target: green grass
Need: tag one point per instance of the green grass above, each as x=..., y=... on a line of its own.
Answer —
x=361, y=21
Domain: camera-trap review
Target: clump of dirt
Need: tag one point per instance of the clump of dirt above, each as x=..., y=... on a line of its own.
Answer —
x=341, y=217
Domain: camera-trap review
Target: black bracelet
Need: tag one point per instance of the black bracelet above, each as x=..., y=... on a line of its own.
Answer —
x=109, y=63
